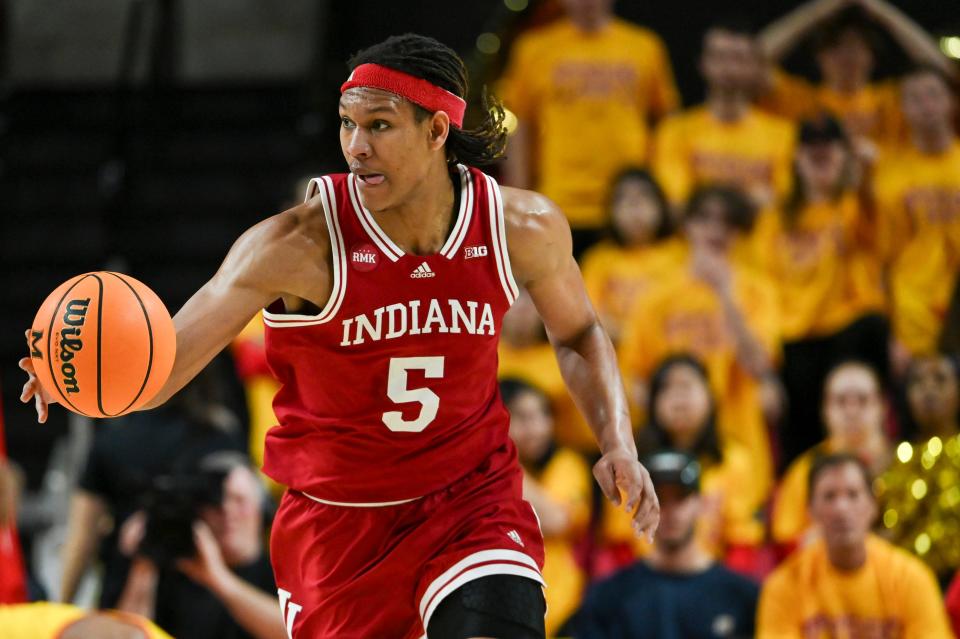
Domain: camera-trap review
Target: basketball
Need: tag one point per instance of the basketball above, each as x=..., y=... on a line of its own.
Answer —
x=102, y=344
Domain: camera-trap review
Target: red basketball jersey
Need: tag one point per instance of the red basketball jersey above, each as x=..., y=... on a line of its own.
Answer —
x=391, y=392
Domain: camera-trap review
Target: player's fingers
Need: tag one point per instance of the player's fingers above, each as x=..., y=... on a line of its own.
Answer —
x=649, y=519
x=41, y=408
x=28, y=391
x=603, y=472
x=26, y=365
x=632, y=484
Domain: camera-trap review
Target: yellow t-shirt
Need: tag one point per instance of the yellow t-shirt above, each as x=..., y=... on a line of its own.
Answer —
x=614, y=276
x=729, y=506
x=46, y=620
x=695, y=148
x=790, y=519
x=872, y=112
x=566, y=479
x=918, y=201
x=892, y=596
x=537, y=365
x=824, y=265
x=583, y=92
x=681, y=314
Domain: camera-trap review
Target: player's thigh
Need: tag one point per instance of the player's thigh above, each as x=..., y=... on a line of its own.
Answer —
x=495, y=607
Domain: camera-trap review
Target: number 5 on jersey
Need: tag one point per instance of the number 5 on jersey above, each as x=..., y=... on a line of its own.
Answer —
x=398, y=393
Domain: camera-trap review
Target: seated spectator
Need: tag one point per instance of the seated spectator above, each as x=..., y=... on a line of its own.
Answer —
x=727, y=316
x=845, y=44
x=63, y=621
x=820, y=252
x=917, y=192
x=524, y=353
x=677, y=590
x=557, y=482
x=682, y=416
x=226, y=588
x=853, y=411
x=849, y=583
x=625, y=264
x=126, y=455
x=933, y=396
x=726, y=140
x=587, y=76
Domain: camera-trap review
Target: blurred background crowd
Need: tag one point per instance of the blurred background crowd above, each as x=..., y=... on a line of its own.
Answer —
x=773, y=250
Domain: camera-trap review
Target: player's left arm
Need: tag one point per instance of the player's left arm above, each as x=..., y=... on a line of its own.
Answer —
x=539, y=243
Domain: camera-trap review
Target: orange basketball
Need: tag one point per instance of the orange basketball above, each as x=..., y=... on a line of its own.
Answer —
x=102, y=344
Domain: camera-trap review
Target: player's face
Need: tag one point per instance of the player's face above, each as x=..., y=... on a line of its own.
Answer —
x=531, y=426
x=853, y=409
x=729, y=62
x=843, y=506
x=933, y=393
x=588, y=11
x=927, y=101
x=822, y=164
x=848, y=62
x=710, y=229
x=236, y=524
x=636, y=212
x=385, y=145
x=679, y=509
x=683, y=404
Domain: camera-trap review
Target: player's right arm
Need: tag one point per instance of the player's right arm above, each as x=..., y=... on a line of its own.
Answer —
x=285, y=256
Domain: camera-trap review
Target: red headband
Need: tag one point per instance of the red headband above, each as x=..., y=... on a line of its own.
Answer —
x=417, y=90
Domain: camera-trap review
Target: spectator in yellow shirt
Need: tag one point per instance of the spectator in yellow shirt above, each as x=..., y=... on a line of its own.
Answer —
x=726, y=140
x=721, y=311
x=557, y=483
x=44, y=620
x=850, y=583
x=933, y=396
x=586, y=82
x=854, y=412
x=683, y=418
x=626, y=263
x=845, y=45
x=820, y=251
x=918, y=203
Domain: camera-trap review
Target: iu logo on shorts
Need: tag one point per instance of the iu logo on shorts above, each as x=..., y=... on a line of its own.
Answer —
x=288, y=610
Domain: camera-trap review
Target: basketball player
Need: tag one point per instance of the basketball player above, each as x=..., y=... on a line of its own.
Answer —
x=383, y=297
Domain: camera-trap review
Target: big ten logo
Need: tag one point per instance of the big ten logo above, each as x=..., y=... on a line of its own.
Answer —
x=364, y=257
x=288, y=610
x=474, y=251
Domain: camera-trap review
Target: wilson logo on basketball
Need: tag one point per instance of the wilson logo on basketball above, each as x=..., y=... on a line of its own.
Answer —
x=70, y=343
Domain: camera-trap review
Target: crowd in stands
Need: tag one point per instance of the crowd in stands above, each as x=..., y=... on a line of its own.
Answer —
x=777, y=269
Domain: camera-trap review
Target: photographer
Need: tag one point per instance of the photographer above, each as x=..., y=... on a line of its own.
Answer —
x=220, y=584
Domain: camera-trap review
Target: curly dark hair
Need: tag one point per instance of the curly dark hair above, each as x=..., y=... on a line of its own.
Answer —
x=437, y=63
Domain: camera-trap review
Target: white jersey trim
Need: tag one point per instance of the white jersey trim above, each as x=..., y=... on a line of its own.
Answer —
x=369, y=223
x=350, y=504
x=324, y=187
x=464, y=215
x=499, y=234
x=475, y=566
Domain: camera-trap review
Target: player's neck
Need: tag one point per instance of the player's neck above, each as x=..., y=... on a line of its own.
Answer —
x=727, y=106
x=420, y=224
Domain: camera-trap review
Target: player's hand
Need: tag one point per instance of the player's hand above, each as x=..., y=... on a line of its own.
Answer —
x=208, y=567
x=32, y=389
x=619, y=471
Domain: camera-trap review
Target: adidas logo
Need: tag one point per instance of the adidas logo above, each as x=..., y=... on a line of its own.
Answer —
x=515, y=537
x=422, y=271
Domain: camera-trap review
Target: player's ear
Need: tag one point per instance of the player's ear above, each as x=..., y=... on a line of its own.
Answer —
x=439, y=129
